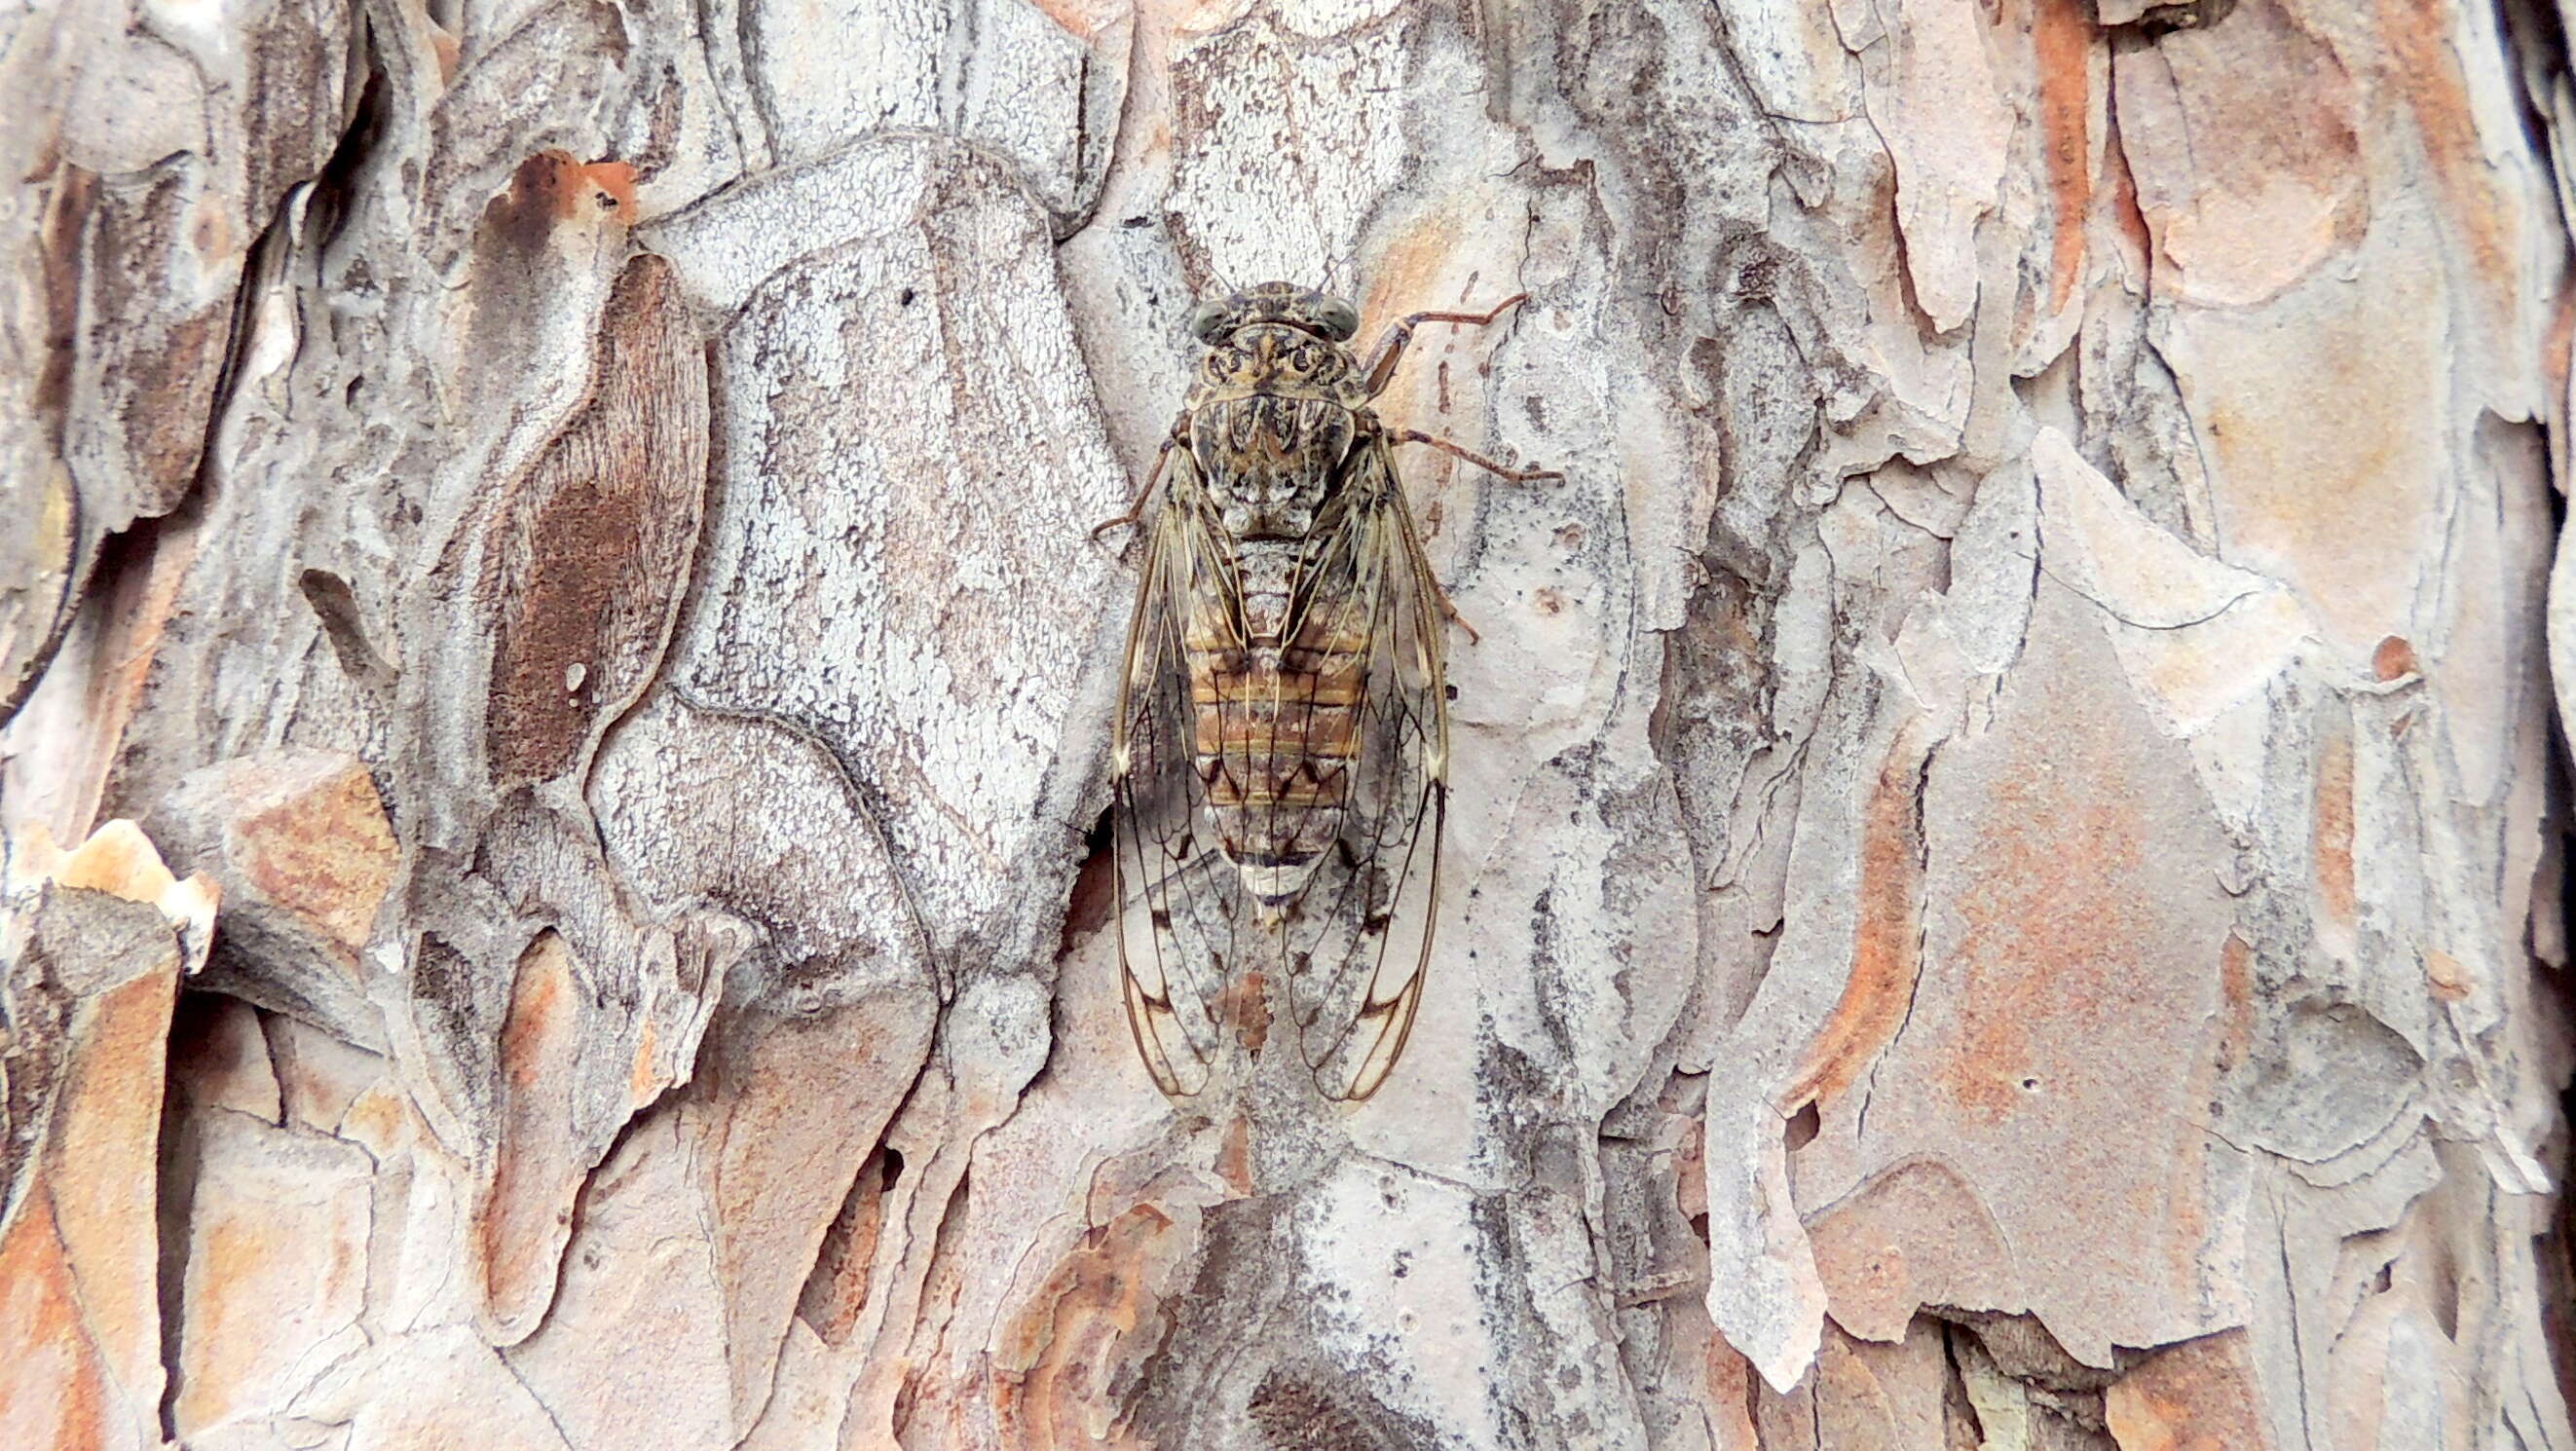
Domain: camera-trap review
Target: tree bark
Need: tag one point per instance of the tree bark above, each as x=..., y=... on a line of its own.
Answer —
x=2005, y=884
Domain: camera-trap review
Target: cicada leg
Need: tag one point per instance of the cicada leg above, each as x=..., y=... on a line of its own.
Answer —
x=1136, y=506
x=1517, y=476
x=1449, y=607
x=1390, y=349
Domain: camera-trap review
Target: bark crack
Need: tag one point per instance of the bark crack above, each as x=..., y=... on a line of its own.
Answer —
x=502, y=1358
x=863, y=800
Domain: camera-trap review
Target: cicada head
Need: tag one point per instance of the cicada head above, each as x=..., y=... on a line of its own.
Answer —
x=1277, y=339
x=1303, y=308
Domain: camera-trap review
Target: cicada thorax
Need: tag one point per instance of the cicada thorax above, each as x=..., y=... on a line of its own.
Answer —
x=1270, y=424
x=1269, y=461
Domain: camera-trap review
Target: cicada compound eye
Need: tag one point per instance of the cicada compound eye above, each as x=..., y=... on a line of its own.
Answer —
x=1208, y=317
x=1340, y=320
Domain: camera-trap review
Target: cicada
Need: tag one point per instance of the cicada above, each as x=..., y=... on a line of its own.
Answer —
x=1281, y=753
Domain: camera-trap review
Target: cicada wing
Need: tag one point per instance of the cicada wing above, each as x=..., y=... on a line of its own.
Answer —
x=1359, y=941
x=1179, y=899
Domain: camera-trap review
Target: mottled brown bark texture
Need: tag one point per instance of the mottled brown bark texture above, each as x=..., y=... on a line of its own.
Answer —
x=2005, y=886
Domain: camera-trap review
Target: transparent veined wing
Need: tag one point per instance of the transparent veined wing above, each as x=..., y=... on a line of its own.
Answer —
x=1180, y=903
x=1357, y=943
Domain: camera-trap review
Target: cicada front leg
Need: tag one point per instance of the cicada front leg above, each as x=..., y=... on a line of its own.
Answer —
x=1390, y=349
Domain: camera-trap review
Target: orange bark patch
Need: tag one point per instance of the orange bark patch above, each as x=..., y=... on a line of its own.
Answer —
x=527, y=1213
x=276, y=1264
x=2446, y=975
x=1730, y=1397
x=2125, y=210
x=536, y=1022
x=776, y=1182
x=2197, y=1396
x=2426, y=71
x=321, y=849
x=2249, y=184
x=2062, y=42
x=1234, y=1156
x=617, y=180
x=572, y=187
x=642, y=1081
x=2045, y=1105
x=1057, y=1359
x=1885, y=946
x=100, y=1169
x=2059, y=912
x=2394, y=659
x=376, y=1119
x=53, y=1391
x=117, y=859
x=1405, y=278
x=2236, y=991
x=2323, y=467
x=1245, y=1004
x=220, y=1261
x=2336, y=894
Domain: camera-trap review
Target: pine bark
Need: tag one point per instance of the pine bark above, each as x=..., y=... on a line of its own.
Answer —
x=2005, y=887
